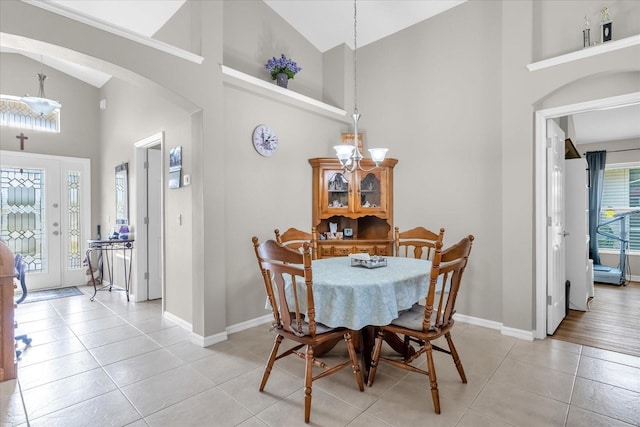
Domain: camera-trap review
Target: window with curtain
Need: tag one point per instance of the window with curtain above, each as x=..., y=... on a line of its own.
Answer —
x=621, y=194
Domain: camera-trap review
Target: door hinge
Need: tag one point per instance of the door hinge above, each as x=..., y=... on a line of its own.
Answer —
x=548, y=299
x=548, y=142
x=548, y=221
x=146, y=275
x=146, y=220
x=146, y=165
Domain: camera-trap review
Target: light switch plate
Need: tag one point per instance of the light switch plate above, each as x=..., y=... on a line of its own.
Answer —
x=186, y=180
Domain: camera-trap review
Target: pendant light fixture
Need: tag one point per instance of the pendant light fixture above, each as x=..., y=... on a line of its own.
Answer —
x=40, y=104
x=349, y=155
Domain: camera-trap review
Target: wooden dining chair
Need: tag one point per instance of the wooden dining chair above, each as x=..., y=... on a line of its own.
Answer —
x=429, y=322
x=288, y=282
x=418, y=242
x=294, y=238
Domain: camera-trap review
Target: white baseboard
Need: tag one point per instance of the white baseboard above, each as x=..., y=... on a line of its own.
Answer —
x=175, y=319
x=490, y=324
x=238, y=327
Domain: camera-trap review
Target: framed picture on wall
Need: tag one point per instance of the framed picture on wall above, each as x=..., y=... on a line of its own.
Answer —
x=347, y=138
x=175, y=167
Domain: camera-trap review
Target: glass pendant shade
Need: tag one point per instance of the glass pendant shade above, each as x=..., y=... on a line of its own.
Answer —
x=378, y=154
x=40, y=104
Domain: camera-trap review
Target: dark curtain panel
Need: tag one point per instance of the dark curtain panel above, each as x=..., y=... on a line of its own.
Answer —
x=596, y=161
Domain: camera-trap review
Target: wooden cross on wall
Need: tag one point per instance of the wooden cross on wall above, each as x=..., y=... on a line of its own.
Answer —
x=22, y=137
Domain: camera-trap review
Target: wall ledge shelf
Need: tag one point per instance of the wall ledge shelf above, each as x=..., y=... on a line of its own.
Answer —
x=256, y=85
x=586, y=53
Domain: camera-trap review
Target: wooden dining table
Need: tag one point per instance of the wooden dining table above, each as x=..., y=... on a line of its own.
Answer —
x=361, y=298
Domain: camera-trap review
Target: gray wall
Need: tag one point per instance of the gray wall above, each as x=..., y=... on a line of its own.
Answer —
x=458, y=114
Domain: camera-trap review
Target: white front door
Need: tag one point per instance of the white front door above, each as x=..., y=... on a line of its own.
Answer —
x=556, y=297
x=46, y=214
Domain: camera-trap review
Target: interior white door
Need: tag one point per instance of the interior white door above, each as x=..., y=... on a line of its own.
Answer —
x=154, y=206
x=46, y=213
x=556, y=297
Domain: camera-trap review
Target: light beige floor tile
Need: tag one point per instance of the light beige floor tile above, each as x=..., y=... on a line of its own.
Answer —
x=477, y=340
x=473, y=418
x=562, y=345
x=37, y=353
x=146, y=365
x=11, y=407
x=579, y=417
x=364, y=420
x=516, y=406
x=190, y=352
x=169, y=336
x=252, y=422
x=211, y=407
x=404, y=404
x=540, y=353
x=152, y=324
x=221, y=367
x=326, y=410
x=166, y=389
x=608, y=400
x=50, y=335
x=121, y=350
x=63, y=393
x=612, y=356
x=87, y=315
x=39, y=325
x=110, y=409
x=610, y=373
x=22, y=315
x=546, y=382
x=56, y=369
x=95, y=325
x=245, y=388
x=109, y=336
x=141, y=313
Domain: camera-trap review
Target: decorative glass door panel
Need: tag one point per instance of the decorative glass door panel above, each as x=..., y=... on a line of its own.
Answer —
x=45, y=215
x=371, y=197
x=336, y=192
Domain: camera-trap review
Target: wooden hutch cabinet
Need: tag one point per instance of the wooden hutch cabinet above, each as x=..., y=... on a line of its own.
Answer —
x=359, y=201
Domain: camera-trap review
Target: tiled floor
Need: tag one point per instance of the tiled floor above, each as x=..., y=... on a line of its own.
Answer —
x=115, y=363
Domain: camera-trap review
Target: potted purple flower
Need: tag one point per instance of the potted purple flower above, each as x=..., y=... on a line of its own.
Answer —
x=282, y=69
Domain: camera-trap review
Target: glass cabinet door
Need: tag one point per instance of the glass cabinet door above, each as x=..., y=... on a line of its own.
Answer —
x=337, y=190
x=371, y=192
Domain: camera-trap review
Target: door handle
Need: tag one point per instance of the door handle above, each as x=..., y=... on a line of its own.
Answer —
x=55, y=233
x=565, y=233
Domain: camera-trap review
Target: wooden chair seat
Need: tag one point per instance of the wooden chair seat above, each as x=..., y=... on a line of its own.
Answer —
x=294, y=316
x=422, y=324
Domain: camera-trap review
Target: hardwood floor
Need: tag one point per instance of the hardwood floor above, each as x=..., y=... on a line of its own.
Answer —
x=612, y=324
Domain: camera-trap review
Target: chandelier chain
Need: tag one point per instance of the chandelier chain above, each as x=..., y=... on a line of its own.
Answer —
x=355, y=57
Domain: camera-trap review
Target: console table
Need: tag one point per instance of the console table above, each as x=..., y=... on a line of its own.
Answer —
x=105, y=250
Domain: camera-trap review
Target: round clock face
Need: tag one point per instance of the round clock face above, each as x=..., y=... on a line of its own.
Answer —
x=265, y=140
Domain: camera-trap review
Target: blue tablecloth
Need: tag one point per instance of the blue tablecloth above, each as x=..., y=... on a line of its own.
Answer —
x=355, y=297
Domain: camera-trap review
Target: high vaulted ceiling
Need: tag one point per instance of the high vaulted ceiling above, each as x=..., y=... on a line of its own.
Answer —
x=326, y=24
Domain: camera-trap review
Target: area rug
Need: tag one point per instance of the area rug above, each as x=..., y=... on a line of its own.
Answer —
x=35, y=296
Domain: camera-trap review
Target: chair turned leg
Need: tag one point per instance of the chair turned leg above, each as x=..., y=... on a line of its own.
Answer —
x=354, y=360
x=435, y=396
x=456, y=358
x=270, y=362
x=376, y=357
x=308, y=379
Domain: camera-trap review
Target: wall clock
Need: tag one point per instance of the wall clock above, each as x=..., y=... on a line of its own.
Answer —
x=265, y=140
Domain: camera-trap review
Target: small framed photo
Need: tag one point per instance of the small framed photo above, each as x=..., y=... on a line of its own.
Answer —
x=347, y=138
x=606, y=28
x=347, y=233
